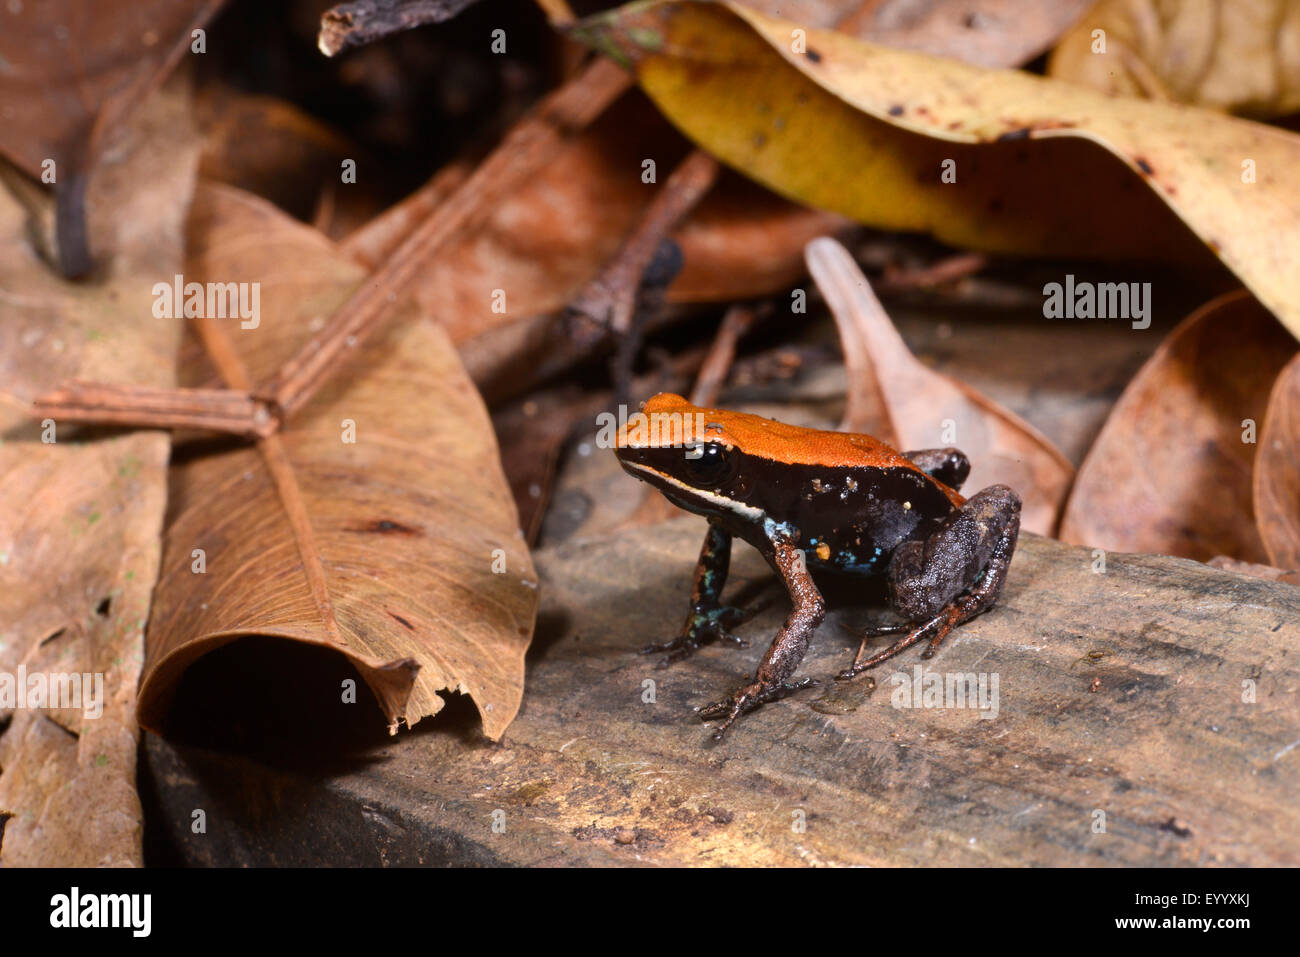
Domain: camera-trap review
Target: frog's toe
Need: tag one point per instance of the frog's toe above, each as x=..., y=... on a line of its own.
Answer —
x=746, y=699
x=719, y=619
x=681, y=646
x=701, y=628
x=729, y=709
x=729, y=638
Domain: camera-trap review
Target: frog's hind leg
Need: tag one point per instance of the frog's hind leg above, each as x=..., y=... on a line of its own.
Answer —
x=950, y=577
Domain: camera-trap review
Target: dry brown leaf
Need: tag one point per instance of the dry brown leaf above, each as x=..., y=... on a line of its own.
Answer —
x=272, y=148
x=401, y=550
x=79, y=543
x=1242, y=56
x=1277, y=471
x=545, y=240
x=892, y=394
x=1170, y=471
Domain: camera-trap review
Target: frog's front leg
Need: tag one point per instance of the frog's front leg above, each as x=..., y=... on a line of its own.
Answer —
x=707, y=619
x=953, y=575
x=771, y=680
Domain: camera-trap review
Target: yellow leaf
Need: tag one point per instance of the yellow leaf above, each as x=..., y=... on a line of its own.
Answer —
x=1041, y=167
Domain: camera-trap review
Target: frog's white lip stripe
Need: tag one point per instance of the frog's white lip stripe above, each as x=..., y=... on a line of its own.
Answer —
x=740, y=508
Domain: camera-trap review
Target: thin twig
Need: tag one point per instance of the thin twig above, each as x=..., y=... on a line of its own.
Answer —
x=365, y=21
x=722, y=353
x=950, y=269
x=216, y=410
x=530, y=144
x=610, y=299
x=524, y=149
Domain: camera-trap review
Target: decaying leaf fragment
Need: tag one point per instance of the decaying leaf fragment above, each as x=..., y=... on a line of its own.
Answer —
x=896, y=397
x=1037, y=166
x=79, y=545
x=376, y=523
x=1170, y=472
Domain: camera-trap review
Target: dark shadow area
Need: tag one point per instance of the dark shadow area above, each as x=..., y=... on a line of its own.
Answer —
x=285, y=703
x=256, y=732
x=409, y=102
x=551, y=627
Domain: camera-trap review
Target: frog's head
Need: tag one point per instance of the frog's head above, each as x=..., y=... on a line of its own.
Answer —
x=690, y=454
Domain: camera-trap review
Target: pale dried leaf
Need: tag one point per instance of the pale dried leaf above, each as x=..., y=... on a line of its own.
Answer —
x=922, y=409
x=1242, y=56
x=79, y=533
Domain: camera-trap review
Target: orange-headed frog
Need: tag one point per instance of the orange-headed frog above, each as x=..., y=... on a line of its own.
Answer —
x=815, y=501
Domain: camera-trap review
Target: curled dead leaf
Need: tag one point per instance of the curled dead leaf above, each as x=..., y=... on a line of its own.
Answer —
x=1170, y=471
x=376, y=523
x=1277, y=471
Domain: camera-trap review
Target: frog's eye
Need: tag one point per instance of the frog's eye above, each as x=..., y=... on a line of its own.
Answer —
x=707, y=462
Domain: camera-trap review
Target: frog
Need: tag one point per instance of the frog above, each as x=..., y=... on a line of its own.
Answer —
x=816, y=502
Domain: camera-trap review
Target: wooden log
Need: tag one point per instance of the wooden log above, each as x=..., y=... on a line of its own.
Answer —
x=1146, y=715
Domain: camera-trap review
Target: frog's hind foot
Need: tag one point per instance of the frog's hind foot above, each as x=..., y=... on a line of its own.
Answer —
x=745, y=699
x=937, y=627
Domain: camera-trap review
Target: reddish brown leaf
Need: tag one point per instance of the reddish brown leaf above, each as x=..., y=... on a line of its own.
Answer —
x=1277, y=471
x=1170, y=471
